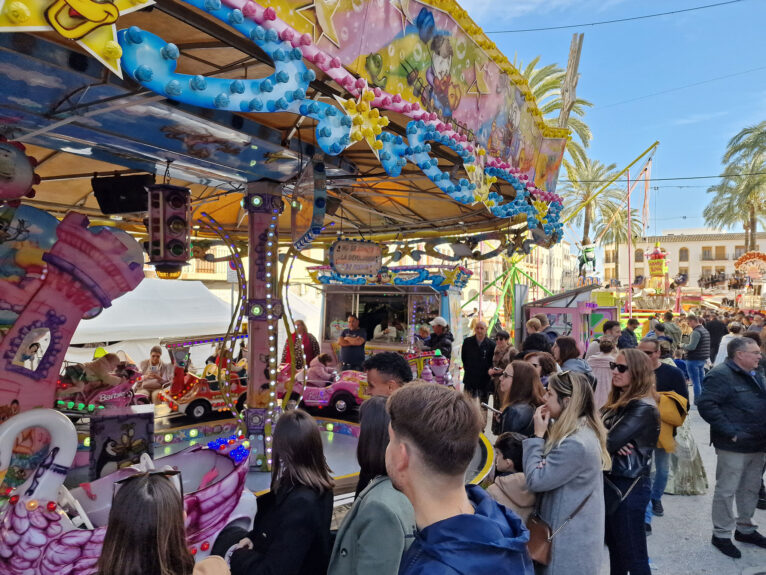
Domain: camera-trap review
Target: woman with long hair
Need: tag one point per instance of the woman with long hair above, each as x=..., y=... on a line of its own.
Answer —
x=520, y=393
x=301, y=343
x=154, y=540
x=291, y=530
x=564, y=464
x=379, y=528
x=632, y=420
x=544, y=364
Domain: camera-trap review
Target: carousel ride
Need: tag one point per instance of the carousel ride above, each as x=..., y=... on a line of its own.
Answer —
x=385, y=166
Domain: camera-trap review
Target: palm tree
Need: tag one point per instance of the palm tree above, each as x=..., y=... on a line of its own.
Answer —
x=725, y=209
x=545, y=84
x=613, y=229
x=584, y=180
x=742, y=185
x=747, y=142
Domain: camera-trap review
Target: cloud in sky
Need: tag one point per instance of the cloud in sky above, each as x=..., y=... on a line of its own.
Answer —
x=698, y=118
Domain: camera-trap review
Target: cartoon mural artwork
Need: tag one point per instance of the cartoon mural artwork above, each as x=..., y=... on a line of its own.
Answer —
x=48, y=283
x=439, y=93
x=91, y=23
x=117, y=441
x=17, y=173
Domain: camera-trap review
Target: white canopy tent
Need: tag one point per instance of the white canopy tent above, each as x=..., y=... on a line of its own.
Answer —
x=155, y=310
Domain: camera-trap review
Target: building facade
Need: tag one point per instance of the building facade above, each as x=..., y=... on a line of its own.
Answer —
x=698, y=253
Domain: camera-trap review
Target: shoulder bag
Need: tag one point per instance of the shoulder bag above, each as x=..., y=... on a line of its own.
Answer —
x=613, y=497
x=541, y=535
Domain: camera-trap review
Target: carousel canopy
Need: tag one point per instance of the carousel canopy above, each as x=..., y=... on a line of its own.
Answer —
x=190, y=101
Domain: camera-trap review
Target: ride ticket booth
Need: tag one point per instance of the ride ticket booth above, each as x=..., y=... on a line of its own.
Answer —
x=392, y=305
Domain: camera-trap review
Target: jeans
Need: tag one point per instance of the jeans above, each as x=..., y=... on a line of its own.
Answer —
x=696, y=373
x=737, y=477
x=625, y=534
x=660, y=480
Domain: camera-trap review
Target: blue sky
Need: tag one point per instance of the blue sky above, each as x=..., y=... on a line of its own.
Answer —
x=633, y=59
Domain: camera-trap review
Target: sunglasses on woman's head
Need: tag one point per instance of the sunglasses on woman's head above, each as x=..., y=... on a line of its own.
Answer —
x=621, y=367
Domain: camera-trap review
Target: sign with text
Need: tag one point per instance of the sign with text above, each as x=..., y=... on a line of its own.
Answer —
x=349, y=257
x=658, y=268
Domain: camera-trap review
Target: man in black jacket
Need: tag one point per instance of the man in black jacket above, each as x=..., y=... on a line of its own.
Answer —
x=717, y=329
x=697, y=353
x=476, y=353
x=441, y=338
x=733, y=402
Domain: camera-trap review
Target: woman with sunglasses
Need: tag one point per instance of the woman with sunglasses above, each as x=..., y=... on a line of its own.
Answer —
x=544, y=365
x=291, y=530
x=632, y=419
x=563, y=464
x=154, y=540
x=520, y=393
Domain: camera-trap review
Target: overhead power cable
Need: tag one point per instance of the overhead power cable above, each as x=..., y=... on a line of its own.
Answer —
x=617, y=20
x=684, y=87
x=674, y=179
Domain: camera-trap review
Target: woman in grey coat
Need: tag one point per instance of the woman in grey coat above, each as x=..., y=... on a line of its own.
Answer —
x=379, y=527
x=565, y=470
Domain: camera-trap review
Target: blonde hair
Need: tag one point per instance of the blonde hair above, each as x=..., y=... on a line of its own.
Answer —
x=535, y=324
x=642, y=381
x=579, y=411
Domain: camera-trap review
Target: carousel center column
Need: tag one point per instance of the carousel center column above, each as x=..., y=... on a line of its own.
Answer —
x=264, y=204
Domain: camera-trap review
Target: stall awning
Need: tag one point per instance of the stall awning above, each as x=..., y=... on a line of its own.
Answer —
x=158, y=309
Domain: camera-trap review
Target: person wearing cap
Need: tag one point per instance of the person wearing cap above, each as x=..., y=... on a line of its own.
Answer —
x=441, y=338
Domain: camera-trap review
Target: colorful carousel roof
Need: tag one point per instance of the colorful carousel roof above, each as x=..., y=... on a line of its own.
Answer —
x=422, y=126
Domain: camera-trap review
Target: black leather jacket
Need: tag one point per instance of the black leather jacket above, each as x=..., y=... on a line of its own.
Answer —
x=637, y=423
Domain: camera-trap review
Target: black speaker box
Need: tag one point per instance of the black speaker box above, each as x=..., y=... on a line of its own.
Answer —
x=122, y=194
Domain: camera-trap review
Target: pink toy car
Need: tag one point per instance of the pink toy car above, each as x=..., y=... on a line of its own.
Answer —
x=349, y=390
x=90, y=399
x=43, y=532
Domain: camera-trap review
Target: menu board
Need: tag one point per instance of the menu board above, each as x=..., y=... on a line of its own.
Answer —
x=352, y=257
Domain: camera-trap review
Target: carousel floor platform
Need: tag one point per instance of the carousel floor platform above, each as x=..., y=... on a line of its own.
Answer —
x=175, y=433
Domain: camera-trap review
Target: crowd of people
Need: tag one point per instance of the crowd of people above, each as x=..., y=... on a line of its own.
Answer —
x=585, y=440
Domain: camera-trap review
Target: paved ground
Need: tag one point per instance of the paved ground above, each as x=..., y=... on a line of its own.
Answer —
x=680, y=542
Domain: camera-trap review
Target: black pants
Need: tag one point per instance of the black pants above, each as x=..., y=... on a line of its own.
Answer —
x=352, y=367
x=625, y=532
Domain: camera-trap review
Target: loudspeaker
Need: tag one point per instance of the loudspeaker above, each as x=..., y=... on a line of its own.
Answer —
x=122, y=194
x=333, y=204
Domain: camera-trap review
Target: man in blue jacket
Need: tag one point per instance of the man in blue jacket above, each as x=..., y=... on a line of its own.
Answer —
x=733, y=402
x=434, y=432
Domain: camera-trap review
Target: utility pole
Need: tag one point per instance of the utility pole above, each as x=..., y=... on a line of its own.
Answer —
x=569, y=86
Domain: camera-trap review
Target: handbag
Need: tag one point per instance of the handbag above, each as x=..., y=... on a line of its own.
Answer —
x=541, y=535
x=613, y=497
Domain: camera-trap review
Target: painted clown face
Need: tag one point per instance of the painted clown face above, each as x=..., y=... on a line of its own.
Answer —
x=74, y=19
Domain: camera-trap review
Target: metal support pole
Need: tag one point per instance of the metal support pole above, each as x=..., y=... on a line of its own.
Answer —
x=263, y=202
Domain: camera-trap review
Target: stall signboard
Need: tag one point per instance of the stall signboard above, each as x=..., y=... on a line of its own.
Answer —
x=658, y=268
x=351, y=257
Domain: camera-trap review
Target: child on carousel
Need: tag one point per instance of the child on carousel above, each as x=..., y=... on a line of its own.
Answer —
x=321, y=373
